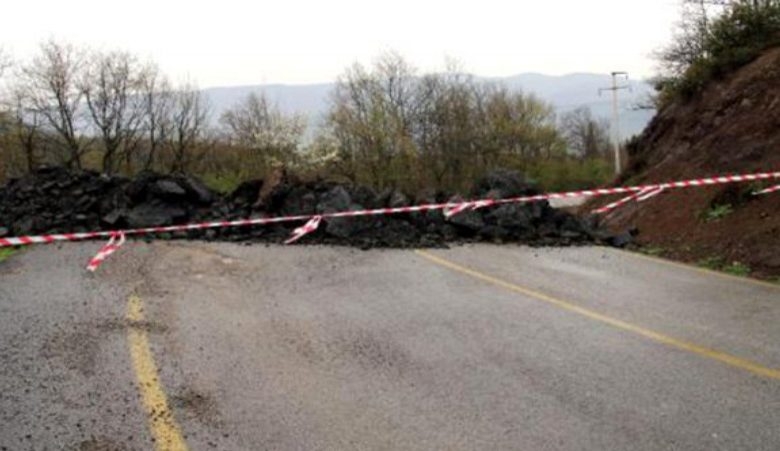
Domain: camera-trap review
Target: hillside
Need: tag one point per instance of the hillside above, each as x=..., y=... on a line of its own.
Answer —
x=565, y=93
x=732, y=127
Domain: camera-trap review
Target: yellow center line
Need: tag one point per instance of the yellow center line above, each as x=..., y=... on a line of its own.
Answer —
x=722, y=357
x=166, y=433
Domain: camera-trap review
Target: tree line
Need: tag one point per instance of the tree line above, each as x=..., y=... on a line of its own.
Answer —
x=387, y=125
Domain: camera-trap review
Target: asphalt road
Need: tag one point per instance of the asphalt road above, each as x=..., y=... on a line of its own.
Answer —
x=218, y=346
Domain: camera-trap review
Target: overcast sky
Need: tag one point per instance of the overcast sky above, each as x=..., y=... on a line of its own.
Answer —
x=231, y=42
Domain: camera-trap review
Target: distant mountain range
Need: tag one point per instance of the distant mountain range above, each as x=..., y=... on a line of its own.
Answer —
x=565, y=93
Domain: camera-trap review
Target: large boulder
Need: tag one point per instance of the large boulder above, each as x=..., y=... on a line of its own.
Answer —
x=511, y=216
x=167, y=189
x=245, y=193
x=502, y=183
x=365, y=196
x=335, y=200
x=300, y=200
x=153, y=215
x=397, y=199
x=470, y=220
x=137, y=190
x=197, y=190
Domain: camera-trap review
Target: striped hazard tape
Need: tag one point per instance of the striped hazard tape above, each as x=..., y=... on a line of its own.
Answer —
x=305, y=229
x=473, y=205
x=643, y=196
x=640, y=196
x=638, y=192
x=773, y=189
x=116, y=241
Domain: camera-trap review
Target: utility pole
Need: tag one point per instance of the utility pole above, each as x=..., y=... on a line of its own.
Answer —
x=615, y=115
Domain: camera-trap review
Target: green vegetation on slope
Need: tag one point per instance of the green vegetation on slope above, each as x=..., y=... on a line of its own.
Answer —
x=714, y=38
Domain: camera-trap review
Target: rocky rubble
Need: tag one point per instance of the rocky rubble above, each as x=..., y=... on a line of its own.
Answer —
x=55, y=200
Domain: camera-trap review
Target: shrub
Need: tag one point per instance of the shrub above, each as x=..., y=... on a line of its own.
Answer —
x=718, y=212
x=737, y=269
x=713, y=263
x=734, y=268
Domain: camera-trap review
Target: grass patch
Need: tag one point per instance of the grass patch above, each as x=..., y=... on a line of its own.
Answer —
x=652, y=251
x=734, y=268
x=222, y=183
x=5, y=253
x=737, y=269
x=717, y=212
x=713, y=263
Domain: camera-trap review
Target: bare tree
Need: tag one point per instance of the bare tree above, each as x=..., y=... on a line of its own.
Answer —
x=447, y=125
x=586, y=136
x=189, y=122
x=27, y=129
x=111, y=87
x=157, y=102
x=372, y=116
x=271, y=136
x=691, y=34
x=51, y=83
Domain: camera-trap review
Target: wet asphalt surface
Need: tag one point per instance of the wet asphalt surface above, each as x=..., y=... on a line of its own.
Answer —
x=308, y=348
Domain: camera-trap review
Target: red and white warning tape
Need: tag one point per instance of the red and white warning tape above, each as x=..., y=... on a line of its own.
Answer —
x=639, y=192
x=640, y=196
x=773, y=189
x=304, y=229
x=473, y=205
x=643, y=196
x=709, y=181
x=116, y=241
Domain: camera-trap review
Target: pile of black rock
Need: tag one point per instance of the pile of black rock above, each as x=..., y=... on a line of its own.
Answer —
x=55, y=200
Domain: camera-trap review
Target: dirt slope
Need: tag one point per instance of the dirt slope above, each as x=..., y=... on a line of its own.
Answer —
x=732, y=127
